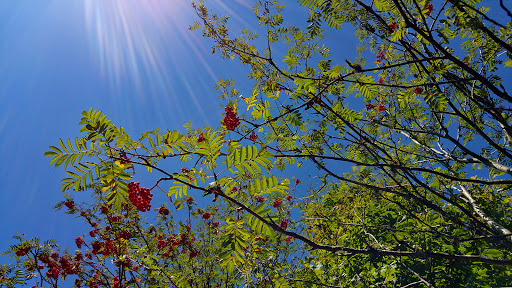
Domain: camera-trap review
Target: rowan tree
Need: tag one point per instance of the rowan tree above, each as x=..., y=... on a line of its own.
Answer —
x=404, y=153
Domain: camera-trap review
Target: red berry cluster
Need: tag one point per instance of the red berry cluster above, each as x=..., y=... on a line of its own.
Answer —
x=253, y=137
x=381, y=80
x=418, y=90
x=116, y=283
x=70, y=204
x=22, y=252
x=259, y=199
x=163, y=211
x=206, y=215
x=126, y=235
x=288, y=239
x=380, y=56
x=284, y=224
x=105, y=248
x=184, y=239
x=381, y=107
x=125, y=158
x=430, y=7
x=231, y=120
x=200, y=138
x=277, y=203
x=140, y=197
x=79, y=241
x=63, y=266
x=393, y=25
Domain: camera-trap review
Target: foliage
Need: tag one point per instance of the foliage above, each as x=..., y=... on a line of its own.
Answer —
x=408, y=156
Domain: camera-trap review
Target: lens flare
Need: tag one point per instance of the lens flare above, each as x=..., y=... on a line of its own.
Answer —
x=147, y=44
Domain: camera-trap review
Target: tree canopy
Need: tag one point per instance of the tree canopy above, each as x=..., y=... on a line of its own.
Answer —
x=407, y=149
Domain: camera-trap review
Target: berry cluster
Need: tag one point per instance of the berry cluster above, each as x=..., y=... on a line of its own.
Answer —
x=126, y=235
x=284, y=224
x=63, y=266
x=172, y=244
x=393, y=25
x=163, y=211
x=125, y=158
x=79, y=241
x=22, y=252
x=381, y=107
x=418, y=90
x=200, y=138
x=430, y=7
x=231, y=120
x=253, y=137
x=380, y=56
x=70, y=204
x=105, y=248
x=277, y=203
x=140, y=197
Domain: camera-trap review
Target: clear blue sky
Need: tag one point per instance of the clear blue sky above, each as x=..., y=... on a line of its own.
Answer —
x=135, y=60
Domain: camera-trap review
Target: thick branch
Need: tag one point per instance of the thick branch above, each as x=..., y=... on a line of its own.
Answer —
x=493, y=224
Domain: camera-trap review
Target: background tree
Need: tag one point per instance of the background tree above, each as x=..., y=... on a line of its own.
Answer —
x=407, y=146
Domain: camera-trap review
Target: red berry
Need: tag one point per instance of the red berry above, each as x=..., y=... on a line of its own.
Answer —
x=163, y=211
x=284, y=224
x=193, y=254
x=206, y=215
x=418, y=90
x=430, y=7
x=79, y=241
x=21, y=252
x=70, y=204
x=277, y=203
x=125, y=159
x=369, y=106
x=288, y=239
x=253, y=137
x=297, y=181
x=200, y=138
x=393, y=25
x=260, y=199
x=380, y=56
x=231, y=120
x=382, y=108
